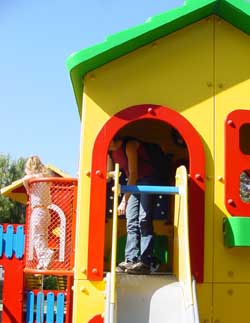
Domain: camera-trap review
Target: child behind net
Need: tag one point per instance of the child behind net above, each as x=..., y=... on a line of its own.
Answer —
x=40, y=199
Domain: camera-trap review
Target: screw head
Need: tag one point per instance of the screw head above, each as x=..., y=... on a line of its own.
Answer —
x=231, y=202
x=231, y=123
x=98, y=172
x=198, y=177
x=83, y=289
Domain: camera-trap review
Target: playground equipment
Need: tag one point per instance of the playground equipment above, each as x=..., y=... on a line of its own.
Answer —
x=24, y=292
x=24, y=297
x=181, y=80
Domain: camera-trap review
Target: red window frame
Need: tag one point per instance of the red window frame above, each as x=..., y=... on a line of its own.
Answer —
x=235, y=162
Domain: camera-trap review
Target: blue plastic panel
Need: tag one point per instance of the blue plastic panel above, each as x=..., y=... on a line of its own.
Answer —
x=9, y=237
x=19, y=240
x=30, y=307
x=60, y=308
x=50, y=307
x=40, y=308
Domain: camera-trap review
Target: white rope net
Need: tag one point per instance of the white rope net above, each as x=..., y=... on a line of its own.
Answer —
x=51, y=224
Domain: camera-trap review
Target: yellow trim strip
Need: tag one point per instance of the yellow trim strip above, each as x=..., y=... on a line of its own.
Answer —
x=182, y=267
x=114, y=234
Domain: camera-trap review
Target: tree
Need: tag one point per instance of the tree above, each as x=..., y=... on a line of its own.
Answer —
x=10, y=211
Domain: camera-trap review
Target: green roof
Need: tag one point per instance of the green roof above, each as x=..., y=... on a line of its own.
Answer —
x=236, y=12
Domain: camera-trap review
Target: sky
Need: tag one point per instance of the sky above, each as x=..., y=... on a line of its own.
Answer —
x=38, y=109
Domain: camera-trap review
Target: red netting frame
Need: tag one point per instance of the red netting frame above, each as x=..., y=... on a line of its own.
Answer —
x=50, y=235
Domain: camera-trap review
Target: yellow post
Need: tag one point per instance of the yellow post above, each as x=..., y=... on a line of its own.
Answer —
x=182, y=267
x=114, y=243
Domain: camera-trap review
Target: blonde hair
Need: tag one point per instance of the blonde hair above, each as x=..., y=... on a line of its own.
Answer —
x=34, y=165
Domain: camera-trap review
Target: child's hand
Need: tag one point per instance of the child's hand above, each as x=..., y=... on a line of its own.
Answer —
x=26, y=179
x=122, y=208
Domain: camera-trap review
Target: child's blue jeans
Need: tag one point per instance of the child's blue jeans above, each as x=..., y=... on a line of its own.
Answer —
x=139, y=215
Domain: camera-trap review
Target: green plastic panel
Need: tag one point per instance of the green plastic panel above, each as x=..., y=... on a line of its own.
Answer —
x=236, y=231
x=236, y=12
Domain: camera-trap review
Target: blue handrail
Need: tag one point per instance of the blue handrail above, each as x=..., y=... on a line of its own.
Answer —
x=150, y=189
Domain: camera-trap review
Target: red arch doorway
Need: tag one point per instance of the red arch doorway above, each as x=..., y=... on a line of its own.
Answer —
x=98, y=184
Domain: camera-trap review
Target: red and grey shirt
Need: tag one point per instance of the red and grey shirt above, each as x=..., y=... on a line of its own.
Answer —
x=145, y=169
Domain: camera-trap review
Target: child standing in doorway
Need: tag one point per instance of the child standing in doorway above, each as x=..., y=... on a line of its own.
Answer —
x=134, y=161
x=40, y=199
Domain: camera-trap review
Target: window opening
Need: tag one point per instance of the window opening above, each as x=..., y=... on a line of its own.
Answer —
x=245, y=186
x=244, y=138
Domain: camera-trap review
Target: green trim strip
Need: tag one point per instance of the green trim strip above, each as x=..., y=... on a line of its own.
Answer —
x=236, y=231
x=236, y=12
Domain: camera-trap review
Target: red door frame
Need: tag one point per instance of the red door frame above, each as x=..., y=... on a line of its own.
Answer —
x=98, y=184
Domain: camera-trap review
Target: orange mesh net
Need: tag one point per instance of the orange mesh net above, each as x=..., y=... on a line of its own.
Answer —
x=51, y=225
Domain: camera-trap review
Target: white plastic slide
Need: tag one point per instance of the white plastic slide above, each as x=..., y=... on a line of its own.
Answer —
x=152, y=299
x=158, y=298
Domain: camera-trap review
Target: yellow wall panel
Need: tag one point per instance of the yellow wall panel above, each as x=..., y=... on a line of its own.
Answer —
x=231, y=303
x=89, y=300
x=232, y=85
x=204, y=294
x=169, y=72
x=92, y=122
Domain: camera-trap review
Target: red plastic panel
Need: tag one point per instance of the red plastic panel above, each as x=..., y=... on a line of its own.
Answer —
x=236, y=161
x=97, y=319
x=98, y=184
x=13, y=287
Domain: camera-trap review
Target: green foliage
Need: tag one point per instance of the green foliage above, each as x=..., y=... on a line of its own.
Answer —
x=10, y=171
x=50, y=283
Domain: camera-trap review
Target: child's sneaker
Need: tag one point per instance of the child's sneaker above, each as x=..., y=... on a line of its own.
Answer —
x=154, y=266
x=124, y=266
x=139, y=269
